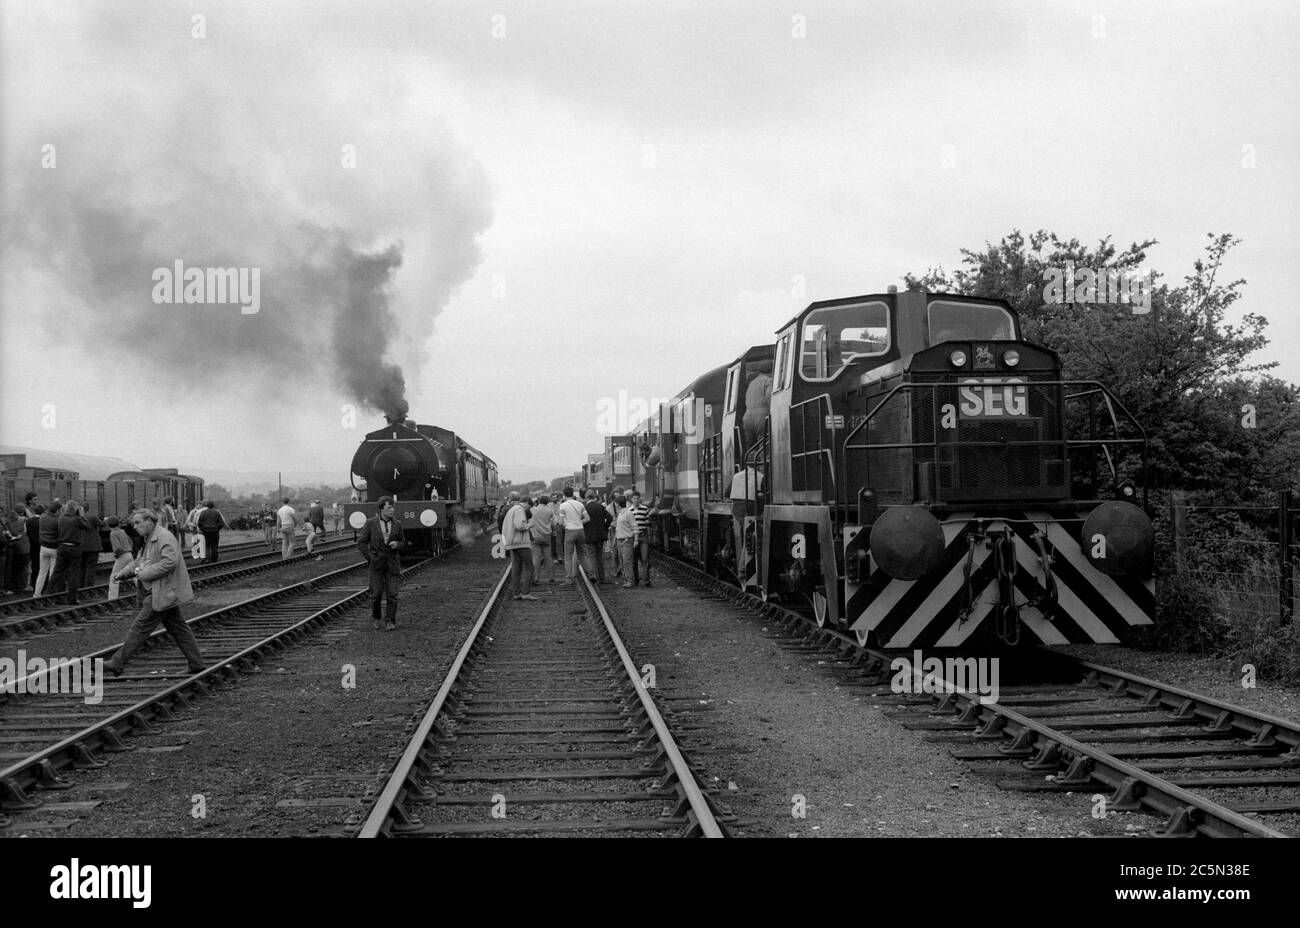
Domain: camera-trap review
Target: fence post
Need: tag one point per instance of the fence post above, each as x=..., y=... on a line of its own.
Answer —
x=1178, y=526
x=1285, y=538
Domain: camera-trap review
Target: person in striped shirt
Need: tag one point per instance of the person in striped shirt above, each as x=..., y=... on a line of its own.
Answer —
x=640, y=544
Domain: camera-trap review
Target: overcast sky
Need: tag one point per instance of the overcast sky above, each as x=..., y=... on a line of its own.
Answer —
x=528, y=207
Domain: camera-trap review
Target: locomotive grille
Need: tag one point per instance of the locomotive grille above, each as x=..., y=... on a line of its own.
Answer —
x=959, y=471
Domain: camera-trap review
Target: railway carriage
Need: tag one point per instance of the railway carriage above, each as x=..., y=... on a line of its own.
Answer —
x=119, y=494
x=919, y=475
x=438, y=482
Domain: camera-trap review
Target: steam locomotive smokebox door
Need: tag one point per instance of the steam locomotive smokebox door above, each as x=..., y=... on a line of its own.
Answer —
x=398, y=467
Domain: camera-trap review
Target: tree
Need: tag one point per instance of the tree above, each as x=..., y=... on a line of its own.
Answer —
x=1182, y=369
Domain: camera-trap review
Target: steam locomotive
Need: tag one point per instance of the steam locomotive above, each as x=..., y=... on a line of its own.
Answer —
x=906, y=467
x=439, y=483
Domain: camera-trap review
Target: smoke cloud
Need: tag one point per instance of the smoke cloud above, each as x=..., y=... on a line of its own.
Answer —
x=329, y=190
x=362, y=329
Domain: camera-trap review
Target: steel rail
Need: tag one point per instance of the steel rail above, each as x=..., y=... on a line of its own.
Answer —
x=700, y=808
x=1261, y=726
x=389, y=806
x=42, y=767
x=1133, y=786
x=1089, y=763
x=199, y=574
x=401, y=779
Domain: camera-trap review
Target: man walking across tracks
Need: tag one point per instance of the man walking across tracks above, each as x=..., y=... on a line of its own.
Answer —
x=210, y=522
x=315, y=526
x=160, y=571
x=381, y=543
x=288, y=521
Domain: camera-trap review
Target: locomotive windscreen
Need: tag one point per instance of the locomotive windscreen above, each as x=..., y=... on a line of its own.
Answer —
x=950, y=321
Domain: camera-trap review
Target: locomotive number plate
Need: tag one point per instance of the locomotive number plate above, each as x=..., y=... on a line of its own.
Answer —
x=993, y=398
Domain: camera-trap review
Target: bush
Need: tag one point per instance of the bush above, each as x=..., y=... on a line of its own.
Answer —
x=1186, y=617
x=1273, y=648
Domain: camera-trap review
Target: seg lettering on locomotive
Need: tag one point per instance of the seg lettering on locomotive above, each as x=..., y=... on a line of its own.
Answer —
x=907, y=467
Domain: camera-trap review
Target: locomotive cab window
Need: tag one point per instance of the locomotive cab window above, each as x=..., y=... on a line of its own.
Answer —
x=782, y=375
x=835, y=336
x=622, y=456
x=968, y=322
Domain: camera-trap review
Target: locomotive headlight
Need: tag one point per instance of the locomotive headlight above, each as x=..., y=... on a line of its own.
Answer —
x=1011, y=357
x=958, y=358
x=1127, y=490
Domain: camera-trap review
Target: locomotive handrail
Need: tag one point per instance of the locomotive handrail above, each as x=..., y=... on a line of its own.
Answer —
x=821, y=447
x=751, y=463
x=1112, y=402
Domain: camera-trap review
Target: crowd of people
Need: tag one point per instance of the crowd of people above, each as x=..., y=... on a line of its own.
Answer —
x=282, y=525
x=571, y=528
x=51, y=549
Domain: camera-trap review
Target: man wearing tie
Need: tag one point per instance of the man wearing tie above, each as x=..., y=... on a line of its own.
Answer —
x=381, y=543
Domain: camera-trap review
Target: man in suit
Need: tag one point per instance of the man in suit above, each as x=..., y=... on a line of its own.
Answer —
x=381, y=543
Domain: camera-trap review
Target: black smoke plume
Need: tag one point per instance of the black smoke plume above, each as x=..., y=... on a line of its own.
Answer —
x=363, y=328
x=222, y=167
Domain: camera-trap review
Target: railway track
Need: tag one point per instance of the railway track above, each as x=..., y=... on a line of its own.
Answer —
x=43, y=612
x=1200, y=766
x=543, y=726
x=44, y=737
x=102, y=569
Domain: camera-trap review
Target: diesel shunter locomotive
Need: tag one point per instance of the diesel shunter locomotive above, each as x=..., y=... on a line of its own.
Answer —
x=438, y=482
x=907, y=467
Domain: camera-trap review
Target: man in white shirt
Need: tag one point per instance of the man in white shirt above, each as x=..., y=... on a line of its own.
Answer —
x=288, y=520
x=573, y=514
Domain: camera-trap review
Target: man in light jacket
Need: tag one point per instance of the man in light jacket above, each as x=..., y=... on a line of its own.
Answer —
x=543, y=531
x=516, y=535
x=160, y=571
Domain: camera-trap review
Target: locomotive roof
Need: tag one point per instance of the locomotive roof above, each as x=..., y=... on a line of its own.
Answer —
x=891, y=299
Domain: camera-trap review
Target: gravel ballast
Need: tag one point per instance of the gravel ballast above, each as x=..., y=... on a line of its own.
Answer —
x=774, y=734
x=291, y=749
